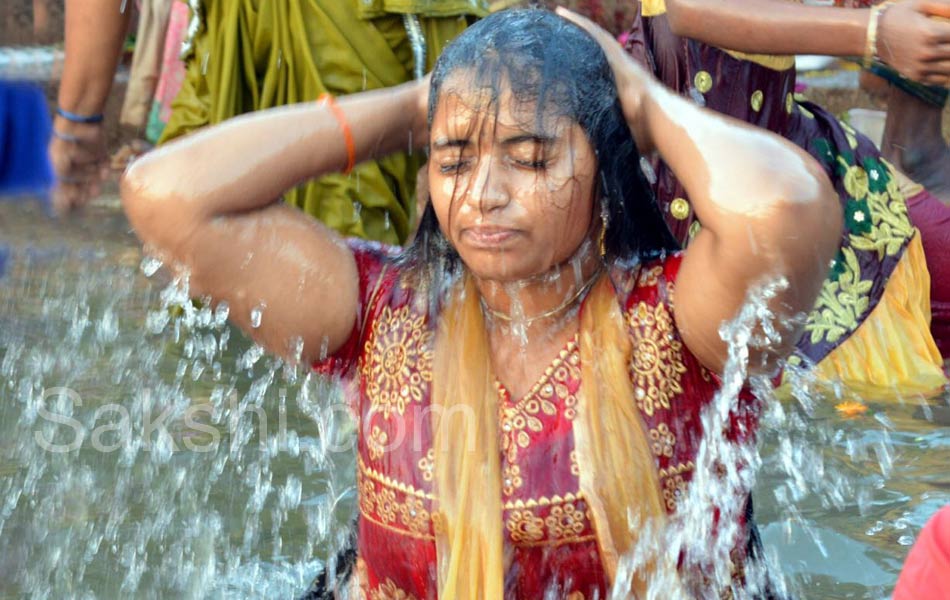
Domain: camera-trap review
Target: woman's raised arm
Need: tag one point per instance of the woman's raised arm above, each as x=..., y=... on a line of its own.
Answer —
x=907, y=38
x=767, y=210
x=209, y=203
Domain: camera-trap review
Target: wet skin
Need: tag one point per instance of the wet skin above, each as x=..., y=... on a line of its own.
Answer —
x=516, y=202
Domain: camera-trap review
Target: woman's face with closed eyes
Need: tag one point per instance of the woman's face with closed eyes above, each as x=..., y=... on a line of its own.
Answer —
x=514, y=194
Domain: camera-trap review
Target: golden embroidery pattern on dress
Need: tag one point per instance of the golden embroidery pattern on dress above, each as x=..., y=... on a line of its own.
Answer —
x=524, y=526
x=565, y=521
x=543, y=501
x=378, y=501
x=427, y=464
x=395, y=511
x=657, y=366
x=575, y=466
x=414, y=516
x=877, y=221
x=840, y=303
x=554, y=520
x=376, y=443
x=511, y=479
x=674, y=483
x=662, y=441
x=395, y=505
x=367, y=471
x=397, y=365
x=388, y=590
x=519, y=418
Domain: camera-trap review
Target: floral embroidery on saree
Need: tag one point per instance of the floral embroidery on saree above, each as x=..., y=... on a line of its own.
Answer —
x=395, y=506
x=548, y=521
x=877, y=227
x=398, y=365
x=518, y=420
x=657, y=365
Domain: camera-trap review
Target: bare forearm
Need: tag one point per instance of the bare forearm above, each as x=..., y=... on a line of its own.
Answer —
x=208, y=202
x=95, y=33
x=248, y=162
x=771, y=26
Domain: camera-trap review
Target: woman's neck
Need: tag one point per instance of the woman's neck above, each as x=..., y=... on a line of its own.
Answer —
x=535, y=304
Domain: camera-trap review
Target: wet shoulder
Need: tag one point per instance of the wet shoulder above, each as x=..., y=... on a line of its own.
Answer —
x=378, y=269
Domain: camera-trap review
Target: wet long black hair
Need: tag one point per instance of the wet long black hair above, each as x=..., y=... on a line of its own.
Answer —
x=554, y=65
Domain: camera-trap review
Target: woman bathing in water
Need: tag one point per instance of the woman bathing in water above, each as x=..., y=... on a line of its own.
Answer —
x=529, y=390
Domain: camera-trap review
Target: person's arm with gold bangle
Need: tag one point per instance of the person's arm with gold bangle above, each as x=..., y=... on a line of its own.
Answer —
x=912, y=36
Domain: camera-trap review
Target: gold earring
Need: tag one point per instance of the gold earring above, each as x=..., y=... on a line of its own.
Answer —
x=603, y=232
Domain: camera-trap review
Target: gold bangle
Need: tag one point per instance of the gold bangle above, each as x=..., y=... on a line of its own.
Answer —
x=870, y=45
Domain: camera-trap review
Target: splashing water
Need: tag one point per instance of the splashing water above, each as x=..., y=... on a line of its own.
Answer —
x=705, y=531
x=150, y=450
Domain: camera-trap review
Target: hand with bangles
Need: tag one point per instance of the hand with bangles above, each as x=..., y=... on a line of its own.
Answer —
x=94, y=34
x=913, y=37
x=78, y=153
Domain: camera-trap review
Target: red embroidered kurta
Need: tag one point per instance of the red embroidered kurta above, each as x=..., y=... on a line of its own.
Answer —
x=545, y=521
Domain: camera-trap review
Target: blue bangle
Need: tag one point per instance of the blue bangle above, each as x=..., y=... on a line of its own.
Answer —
x=69, y=116
x=66, y=137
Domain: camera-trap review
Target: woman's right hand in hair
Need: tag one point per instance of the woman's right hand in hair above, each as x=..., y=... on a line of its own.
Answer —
x=210, y=203
x=914, y=38
x=420, y=122
x=633, y=81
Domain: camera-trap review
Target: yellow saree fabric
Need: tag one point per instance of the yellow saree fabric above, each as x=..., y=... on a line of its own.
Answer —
x=371, y=9
x=892, y=351
x=257, y=54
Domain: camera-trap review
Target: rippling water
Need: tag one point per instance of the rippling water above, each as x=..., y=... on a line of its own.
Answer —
x=238, y=488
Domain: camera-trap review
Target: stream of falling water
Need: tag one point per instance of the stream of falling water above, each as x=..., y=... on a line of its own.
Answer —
x=147, y=449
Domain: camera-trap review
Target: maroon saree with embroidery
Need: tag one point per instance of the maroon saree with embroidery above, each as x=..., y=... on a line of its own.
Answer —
x=549, y=536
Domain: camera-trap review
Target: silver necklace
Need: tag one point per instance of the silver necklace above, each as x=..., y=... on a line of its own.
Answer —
x=581, y=291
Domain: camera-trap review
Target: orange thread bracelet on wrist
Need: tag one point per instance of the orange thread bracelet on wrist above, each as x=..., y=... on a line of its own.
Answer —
x=330, y=102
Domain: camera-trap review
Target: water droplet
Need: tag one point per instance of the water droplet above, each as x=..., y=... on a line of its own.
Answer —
x=697, y=97
x=257, y=314
x=150, y=265
x=647, y=169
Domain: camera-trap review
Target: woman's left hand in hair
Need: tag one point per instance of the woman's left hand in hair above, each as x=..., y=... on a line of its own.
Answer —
x=767, y=208
x=632, y=79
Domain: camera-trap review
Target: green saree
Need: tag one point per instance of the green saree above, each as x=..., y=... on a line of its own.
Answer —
x=255, y=54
